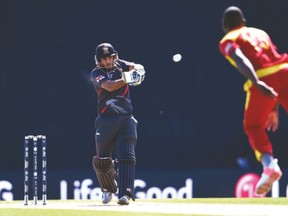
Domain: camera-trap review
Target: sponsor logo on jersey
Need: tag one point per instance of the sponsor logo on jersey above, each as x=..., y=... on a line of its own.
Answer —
x=99, y=78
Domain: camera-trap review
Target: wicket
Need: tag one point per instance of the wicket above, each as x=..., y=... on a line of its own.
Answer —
x=35, y=141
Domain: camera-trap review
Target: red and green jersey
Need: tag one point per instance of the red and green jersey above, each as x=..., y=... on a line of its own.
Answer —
x=255, y=44
x=272, y=68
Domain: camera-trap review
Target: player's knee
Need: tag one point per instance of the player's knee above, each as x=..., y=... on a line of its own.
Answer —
x=126, y=151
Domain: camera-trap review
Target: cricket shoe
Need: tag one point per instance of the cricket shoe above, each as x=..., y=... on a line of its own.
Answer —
x=124, y=200
x=270, y=174
x=106, y=197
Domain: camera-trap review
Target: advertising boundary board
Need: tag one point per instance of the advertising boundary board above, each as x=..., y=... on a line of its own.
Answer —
x=79, y=184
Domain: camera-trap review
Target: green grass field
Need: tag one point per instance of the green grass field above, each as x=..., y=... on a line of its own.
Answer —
x=140, y=207
x=272, y=201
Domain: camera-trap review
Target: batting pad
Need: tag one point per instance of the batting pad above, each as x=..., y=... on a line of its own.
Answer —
x=105, y=174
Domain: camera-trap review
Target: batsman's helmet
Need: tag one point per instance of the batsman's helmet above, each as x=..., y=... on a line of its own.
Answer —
x=104, y=50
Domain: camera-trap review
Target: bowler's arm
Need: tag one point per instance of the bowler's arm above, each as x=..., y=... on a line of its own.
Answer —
x=245, y=67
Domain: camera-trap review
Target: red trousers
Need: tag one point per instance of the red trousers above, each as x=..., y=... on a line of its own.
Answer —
x=257, y=108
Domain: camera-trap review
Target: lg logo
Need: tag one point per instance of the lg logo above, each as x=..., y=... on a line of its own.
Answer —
x=246, y=186
x=5, y=191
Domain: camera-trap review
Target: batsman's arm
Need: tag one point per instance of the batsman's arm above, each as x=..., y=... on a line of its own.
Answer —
x=111, y=85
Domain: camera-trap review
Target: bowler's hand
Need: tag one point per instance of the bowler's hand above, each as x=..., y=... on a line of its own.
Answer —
x=272, y=121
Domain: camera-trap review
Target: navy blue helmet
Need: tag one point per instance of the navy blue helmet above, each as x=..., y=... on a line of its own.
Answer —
x=104, y=50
